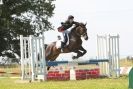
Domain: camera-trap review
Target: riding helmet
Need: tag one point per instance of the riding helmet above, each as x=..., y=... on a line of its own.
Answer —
x=70, y=17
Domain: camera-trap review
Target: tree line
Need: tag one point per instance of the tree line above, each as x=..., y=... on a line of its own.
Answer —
x=22, y=17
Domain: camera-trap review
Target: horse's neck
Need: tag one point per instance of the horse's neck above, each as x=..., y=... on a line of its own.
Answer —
x=74, y=40
x=73, y=35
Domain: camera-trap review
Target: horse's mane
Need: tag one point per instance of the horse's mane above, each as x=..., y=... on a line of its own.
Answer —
x=74, y=28
x=80, y=24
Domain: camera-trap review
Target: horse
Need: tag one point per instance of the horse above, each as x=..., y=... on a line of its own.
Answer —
x=75, y=44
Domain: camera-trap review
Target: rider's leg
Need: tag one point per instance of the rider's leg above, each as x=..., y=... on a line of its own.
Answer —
x=64, y=41
x=65, y=38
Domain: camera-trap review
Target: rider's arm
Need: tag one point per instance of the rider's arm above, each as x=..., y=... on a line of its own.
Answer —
x=64, y=23
x=76, y=23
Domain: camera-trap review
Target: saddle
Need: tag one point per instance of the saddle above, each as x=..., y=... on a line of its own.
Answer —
x=59, y=42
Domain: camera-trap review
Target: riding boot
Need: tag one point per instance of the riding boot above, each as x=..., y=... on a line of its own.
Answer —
x=62, y=46
x=64, y=42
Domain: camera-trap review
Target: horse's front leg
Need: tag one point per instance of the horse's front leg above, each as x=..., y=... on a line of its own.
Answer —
x=80, y=52
x=83, y=50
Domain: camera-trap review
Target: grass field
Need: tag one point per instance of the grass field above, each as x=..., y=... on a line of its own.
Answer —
x=105, y=83
x=121, y=83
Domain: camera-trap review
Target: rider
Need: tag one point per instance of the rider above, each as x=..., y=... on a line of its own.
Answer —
x=66, y=25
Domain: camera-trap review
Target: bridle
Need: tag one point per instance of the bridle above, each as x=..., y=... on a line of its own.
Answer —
x=79, y=29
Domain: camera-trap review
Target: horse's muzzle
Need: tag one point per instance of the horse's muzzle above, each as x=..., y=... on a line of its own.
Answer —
x=85, y=37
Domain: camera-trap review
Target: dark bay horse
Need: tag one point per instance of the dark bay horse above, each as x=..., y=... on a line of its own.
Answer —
x=75, y=44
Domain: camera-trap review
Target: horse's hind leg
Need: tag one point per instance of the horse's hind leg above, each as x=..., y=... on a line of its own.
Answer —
x=54, y=58
x=48, y=67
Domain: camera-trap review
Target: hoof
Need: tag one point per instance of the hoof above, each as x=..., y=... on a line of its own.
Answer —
x=74, y=57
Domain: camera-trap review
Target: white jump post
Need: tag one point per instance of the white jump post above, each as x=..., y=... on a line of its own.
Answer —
x=114, y=55
x=108, y=48
x=33, y=64
x=1, y=2
x=25, y=60
x=102, y=52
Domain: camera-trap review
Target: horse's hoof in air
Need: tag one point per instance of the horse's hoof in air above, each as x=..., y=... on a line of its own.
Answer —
x=74, y=57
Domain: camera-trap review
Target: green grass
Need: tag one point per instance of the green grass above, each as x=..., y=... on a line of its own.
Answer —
x=106, y=83
x=126, y=63
x=121, y=83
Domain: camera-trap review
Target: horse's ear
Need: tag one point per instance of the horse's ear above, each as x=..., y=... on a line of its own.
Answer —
x=85, y=23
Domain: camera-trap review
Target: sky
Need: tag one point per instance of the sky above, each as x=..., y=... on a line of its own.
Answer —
x=102, y=16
